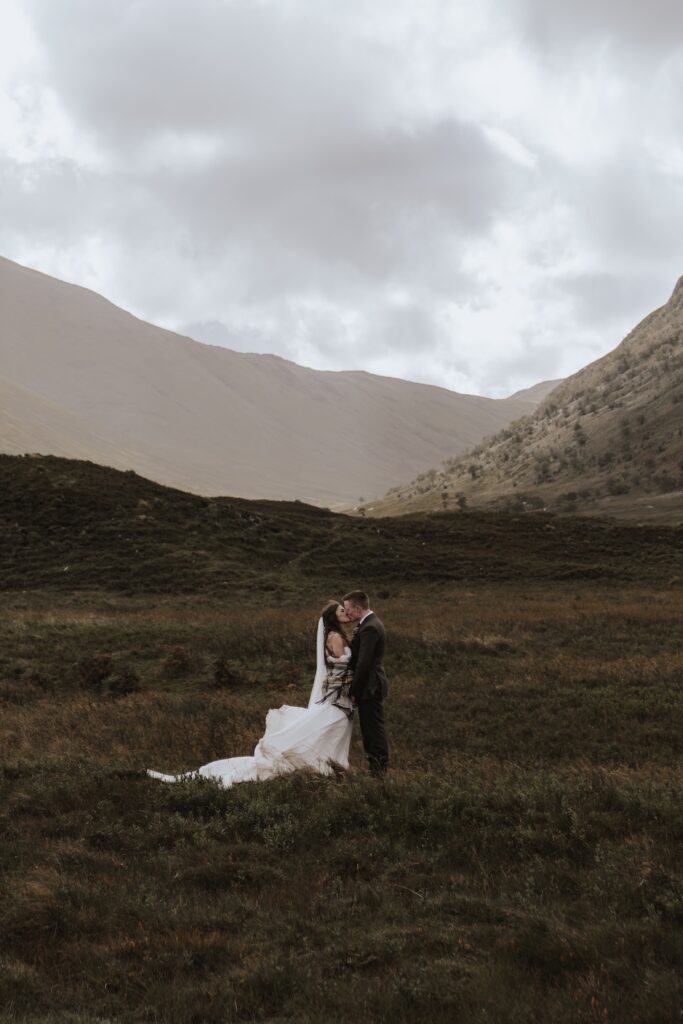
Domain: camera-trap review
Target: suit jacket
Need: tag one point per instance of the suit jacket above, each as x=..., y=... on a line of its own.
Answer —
x=367, y=652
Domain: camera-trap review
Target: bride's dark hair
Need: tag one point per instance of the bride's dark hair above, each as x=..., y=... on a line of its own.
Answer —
x=331, y=623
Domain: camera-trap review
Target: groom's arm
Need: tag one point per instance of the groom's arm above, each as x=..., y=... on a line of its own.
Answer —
x=368, y=642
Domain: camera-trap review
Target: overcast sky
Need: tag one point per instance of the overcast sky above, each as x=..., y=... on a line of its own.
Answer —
x=475, y=193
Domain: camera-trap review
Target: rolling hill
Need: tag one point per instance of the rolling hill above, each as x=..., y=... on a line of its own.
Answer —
x=68, y=525
x=608, y=440
x=82, y=378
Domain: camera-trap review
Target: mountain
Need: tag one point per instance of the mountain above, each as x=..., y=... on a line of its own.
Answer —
x=69, y=525
x=538, y=392
x=34, y=424
x=607, y=440
x=84, y=378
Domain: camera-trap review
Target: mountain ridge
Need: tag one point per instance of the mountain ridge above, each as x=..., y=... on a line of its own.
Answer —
x=607, y=440
x=210, y=420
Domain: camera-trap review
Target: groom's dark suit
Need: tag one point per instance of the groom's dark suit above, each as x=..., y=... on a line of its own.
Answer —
x=369, y=688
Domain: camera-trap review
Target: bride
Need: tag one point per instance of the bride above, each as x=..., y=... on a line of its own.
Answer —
x=317, y=736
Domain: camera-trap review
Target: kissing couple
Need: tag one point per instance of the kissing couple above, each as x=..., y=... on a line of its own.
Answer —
x=319, y=736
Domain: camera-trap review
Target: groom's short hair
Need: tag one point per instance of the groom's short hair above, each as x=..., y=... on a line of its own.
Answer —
x=358, y=598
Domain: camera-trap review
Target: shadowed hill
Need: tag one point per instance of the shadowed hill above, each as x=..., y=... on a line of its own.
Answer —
x=608, y=440
x=69, y=525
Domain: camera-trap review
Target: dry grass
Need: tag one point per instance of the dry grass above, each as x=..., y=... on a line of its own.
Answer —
x=521, y=863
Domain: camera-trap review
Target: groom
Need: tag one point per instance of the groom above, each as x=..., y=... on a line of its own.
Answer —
x=369, y=685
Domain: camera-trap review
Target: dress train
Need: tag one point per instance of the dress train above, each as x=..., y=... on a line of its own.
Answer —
x=316, y=737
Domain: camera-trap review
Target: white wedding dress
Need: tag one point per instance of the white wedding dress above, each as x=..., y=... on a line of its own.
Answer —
x=317, y=736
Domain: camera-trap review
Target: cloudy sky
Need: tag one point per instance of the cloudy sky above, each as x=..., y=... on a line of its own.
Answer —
x=475, y=193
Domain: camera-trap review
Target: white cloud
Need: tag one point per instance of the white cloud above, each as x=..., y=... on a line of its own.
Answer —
x=453, y=192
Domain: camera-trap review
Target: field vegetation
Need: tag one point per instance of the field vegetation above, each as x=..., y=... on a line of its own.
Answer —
x=520, y=864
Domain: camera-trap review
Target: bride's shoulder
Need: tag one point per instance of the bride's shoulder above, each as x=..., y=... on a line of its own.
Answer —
x=335, y=643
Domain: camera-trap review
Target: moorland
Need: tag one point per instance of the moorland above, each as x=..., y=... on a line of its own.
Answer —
x=520, y=864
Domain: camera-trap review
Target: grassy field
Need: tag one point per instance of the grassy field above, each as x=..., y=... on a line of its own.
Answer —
x=521, y=863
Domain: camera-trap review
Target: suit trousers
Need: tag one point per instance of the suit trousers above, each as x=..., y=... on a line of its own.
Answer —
x=371, y=718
